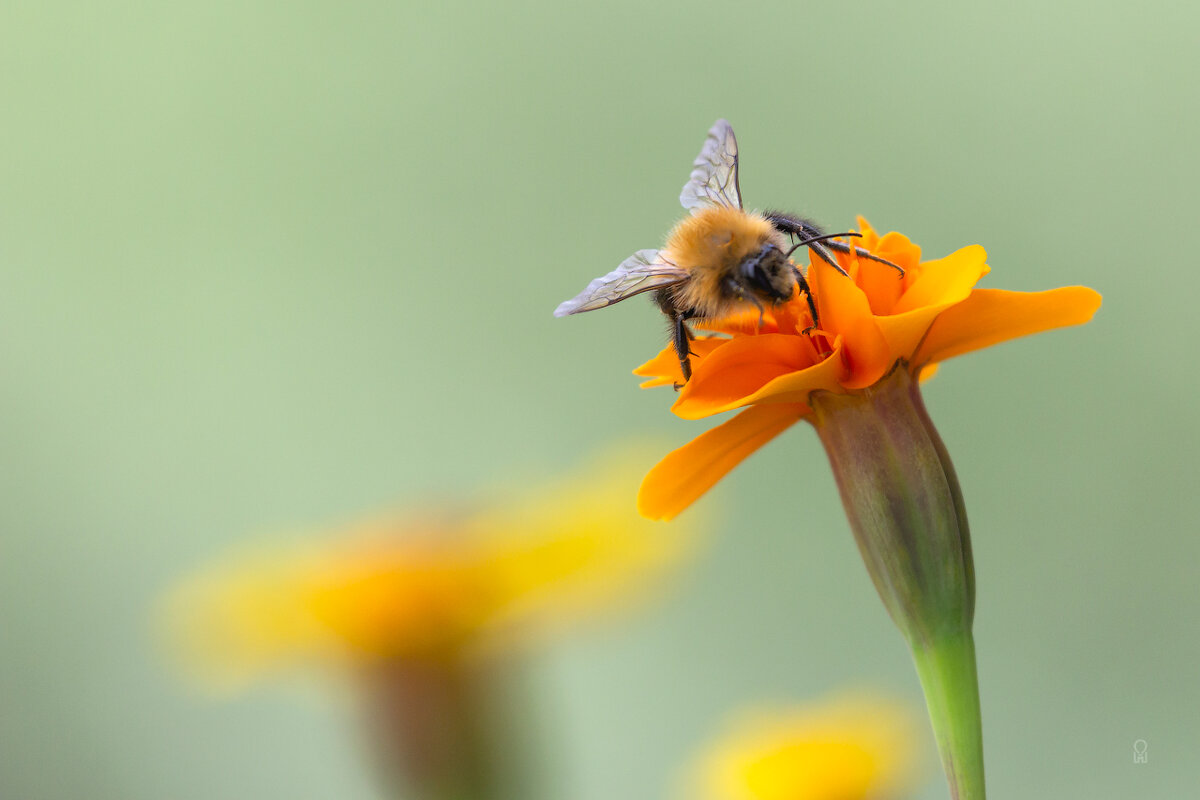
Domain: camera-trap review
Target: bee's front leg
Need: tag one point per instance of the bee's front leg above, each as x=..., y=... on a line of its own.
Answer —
x=793, y=225
x=735, y=289
x=802, y=282
x=799, y=228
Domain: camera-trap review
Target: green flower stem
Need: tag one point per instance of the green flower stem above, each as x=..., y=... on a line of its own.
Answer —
x=428, y=729
x=906, y=511
x=947, y=671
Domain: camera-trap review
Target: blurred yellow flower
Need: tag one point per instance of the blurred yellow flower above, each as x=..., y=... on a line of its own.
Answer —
x=850, y=748
x=429, y=587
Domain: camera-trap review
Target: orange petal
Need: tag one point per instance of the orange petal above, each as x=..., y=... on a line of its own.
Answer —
x=882, y=285
x=904, y=332
x=845, y=311
x=736, y=371
x=795, y=387
x=869, y=239
x=900, y=250
x=991, y=316
x=742, y=323
x=687, y=473
x=664, y=370
x=941, y=284
x=946, y=280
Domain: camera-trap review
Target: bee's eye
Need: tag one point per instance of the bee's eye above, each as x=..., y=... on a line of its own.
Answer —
x=752, y=271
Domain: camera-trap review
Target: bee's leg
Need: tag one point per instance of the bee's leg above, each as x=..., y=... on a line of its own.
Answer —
x=760, y=308
x=802, y=282
x=842, y=247
x=827, y=257
x=735, y=289
x=682, y=338
x=793, y=225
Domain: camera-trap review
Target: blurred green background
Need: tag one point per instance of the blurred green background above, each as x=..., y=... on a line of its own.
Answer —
x=275, y=265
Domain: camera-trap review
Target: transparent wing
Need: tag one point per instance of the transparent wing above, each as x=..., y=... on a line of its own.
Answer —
x=714, y=180
x=643, y=271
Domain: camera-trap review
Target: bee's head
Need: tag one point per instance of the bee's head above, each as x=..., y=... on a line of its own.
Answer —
x=768, y=273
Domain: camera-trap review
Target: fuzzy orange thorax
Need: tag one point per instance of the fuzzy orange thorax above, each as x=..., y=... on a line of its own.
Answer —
x=716, y=237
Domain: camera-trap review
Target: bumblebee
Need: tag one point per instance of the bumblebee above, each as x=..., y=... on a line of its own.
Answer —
x=720, y=260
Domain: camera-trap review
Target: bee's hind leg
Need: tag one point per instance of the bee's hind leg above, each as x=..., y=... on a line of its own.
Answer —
x=681, y=336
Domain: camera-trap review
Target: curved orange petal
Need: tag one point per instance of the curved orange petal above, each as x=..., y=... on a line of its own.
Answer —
x=795, y=387
x=900, y=250
x=845, y=311
x=735, y=372
x=991, y=316
x=941, y=284
x=882, y=285
x=904, y=332
x=687, y=473
x=946, y=280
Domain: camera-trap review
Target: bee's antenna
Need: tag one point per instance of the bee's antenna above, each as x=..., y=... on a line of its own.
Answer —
x=821, y=238
x=842, y=247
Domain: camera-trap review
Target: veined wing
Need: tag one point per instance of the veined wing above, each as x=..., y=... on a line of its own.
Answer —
x=714, y=180
x=643, y=271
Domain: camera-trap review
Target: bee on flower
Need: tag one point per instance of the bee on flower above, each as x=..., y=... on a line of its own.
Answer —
x=846, y=353
x=721, y=260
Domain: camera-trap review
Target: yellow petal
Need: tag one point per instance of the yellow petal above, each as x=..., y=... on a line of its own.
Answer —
x=687, y=473
x=991, y=316
x=852, y=747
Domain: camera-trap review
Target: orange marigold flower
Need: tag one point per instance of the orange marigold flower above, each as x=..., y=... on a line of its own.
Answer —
x=870, y=323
